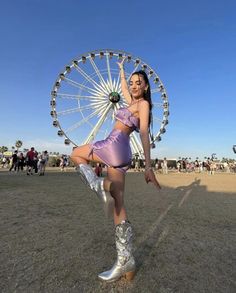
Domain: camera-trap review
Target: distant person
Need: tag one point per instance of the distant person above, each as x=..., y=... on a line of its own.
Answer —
x=63, y=162
x=98, y=170
x=164, y=166
x=14, y=162
x=178, y=166
x=21, y=162
x=43, y=159
x=4, y=161
x=35, y=162
x=30, y=161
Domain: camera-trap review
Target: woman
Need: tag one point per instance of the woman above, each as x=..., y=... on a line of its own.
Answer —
x=115, y=152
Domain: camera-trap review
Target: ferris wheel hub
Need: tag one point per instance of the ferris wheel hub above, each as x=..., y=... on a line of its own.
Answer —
x=114, y=97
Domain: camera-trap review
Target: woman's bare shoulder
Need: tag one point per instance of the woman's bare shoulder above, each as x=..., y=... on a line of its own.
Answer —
x=143, y=104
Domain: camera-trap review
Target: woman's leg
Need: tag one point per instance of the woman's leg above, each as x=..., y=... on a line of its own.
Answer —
x=125, y=263
x=102, y=186
x=118, y=186
x=81, y=155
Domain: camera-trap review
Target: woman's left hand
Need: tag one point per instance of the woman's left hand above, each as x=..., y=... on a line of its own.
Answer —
x=150, y=177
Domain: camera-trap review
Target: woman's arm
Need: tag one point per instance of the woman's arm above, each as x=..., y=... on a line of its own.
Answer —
x=144, y=135
x=144, y=132
x=124, y=85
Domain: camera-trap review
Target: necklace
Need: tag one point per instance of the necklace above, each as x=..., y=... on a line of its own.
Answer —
x=133, y=103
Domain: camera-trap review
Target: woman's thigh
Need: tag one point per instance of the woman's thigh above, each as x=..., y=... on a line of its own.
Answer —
x=84, y=152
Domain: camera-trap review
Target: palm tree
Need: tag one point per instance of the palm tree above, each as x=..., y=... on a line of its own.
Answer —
x=18, y=144
x=3, y=149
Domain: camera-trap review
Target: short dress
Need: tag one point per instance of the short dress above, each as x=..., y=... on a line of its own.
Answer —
x=115, y=150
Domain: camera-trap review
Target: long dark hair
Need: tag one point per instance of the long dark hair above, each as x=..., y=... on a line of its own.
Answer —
x=147, y=97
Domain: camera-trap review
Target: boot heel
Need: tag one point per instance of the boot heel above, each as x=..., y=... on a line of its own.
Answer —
x=129, y=276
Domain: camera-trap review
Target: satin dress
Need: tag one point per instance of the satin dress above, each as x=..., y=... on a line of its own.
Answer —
x=115, y=150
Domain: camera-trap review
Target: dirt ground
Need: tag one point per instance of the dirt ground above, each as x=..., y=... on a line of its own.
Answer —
x=55, y=238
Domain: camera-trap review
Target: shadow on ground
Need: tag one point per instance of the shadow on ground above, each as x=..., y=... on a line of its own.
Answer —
x=54, y=237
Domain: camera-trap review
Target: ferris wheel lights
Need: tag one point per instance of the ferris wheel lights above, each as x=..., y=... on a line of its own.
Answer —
x=53, y=113
x=92, y=55
x=62, y=76
x=101, y=54
x=156, y=80
x=60, y=133
x=152, y=145
x=67, y=141
x=83, y=59
x=165, y=104
x=68, y=69
x=53, y=94
x=53, y=103
x=162, y=130
x=165, y=122
x=144, y=66
x=55, y=123
x=75, y=62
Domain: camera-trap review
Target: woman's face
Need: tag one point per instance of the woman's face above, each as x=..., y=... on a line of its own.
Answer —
x=137, y=86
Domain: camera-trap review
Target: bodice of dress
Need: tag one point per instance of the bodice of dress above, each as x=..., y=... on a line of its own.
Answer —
x=126, y=117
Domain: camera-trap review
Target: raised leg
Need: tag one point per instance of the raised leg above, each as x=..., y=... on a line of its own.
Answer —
x=101, y=186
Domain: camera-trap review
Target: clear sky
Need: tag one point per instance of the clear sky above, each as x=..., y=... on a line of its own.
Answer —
x=191, y=44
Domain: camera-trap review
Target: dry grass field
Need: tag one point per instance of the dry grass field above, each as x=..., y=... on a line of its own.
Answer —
x=54, y=237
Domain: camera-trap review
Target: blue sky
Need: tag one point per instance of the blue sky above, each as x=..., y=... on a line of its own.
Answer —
x=191, y=44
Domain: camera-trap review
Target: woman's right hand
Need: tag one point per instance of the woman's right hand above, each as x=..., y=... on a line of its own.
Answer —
x=121, y=63
x=150, y=177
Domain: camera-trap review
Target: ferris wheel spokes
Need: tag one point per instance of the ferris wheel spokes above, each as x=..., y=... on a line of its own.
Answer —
x=97, y=126
x=102, y=81
x=84, y=120
x=89, y=79
x=82, y=86
x=79, y=97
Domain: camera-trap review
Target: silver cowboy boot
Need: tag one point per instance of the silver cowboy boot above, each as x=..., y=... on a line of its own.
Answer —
x=125, y=263
x=96, y=184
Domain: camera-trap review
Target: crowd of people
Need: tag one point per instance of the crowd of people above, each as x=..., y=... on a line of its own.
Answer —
x=32, y=162
x=186, y=165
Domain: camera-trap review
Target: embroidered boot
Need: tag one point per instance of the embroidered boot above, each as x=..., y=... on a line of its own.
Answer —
x=125, y=263
x=95, y=183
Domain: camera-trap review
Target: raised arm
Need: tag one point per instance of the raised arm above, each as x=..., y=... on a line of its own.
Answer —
x=124, y=85
x=144, y=136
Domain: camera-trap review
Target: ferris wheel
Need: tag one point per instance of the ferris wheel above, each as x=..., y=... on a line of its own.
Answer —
x=87, y=94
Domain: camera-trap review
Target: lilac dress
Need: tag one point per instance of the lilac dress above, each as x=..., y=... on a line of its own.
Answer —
x=115, y=150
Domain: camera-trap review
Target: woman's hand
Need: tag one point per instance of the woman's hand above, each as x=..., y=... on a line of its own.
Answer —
x=121, y=63
x=150, y=177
